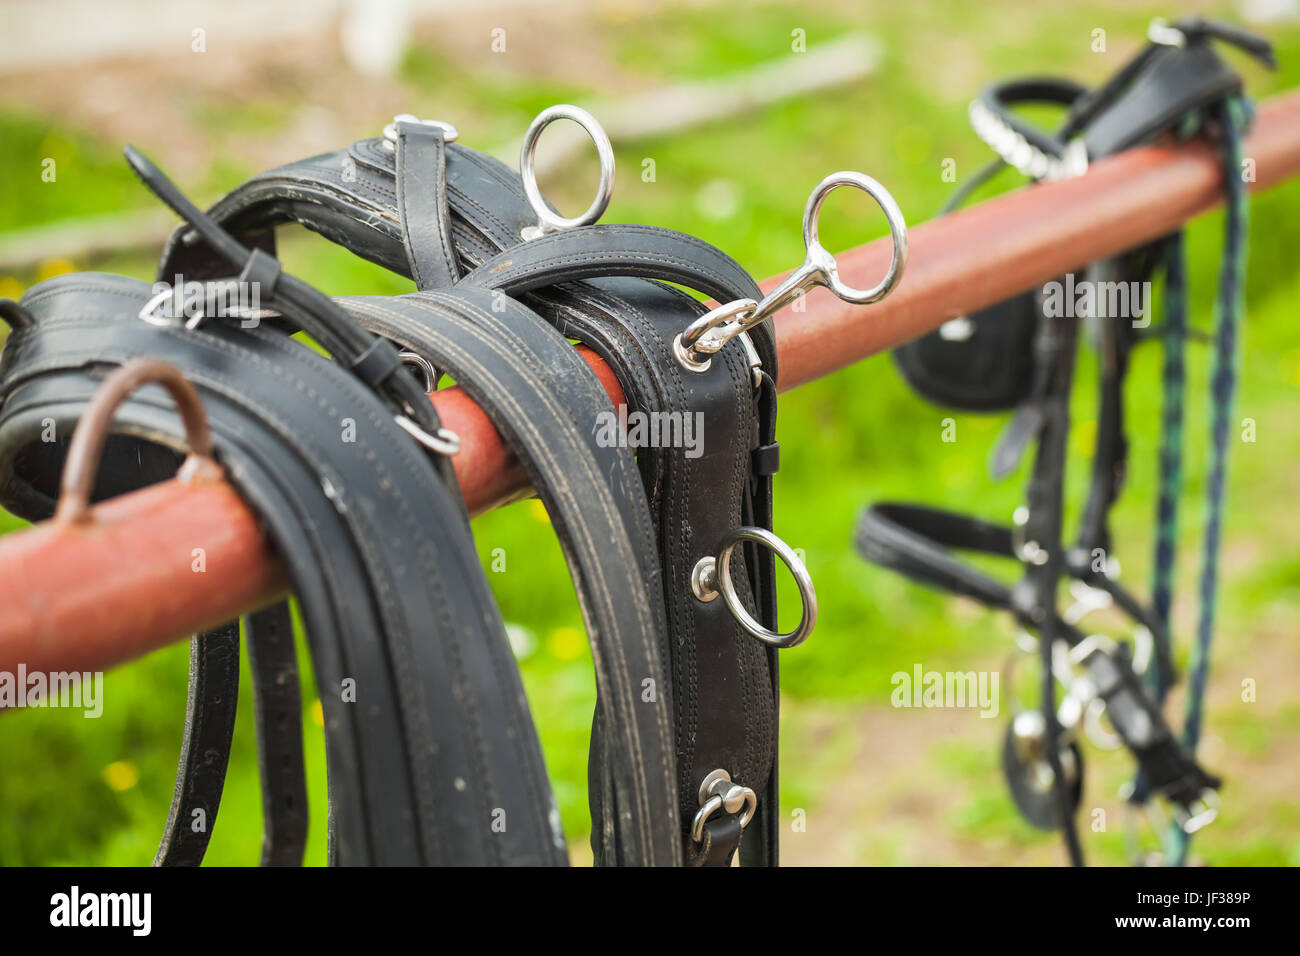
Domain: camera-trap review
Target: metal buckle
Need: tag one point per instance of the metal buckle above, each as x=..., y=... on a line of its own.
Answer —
x=1030, y=552
x=711, y=331
x=445, y=442
x=417, y=361
x=149, y=312
x=717, y=792
x=449, y=133
x=547, y=219
x=712, y=575
x=1159, y=31
x=1206, y=812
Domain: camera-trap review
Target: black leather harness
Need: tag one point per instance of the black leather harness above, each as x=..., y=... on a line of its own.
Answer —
x=436, y=747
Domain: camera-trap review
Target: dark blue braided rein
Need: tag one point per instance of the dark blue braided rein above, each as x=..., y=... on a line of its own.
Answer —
x=1229, y=306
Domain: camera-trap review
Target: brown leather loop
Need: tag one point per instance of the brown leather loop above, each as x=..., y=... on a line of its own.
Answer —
x=87, y=443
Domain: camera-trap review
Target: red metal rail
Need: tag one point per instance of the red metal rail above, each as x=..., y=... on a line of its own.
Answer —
x=87, y=596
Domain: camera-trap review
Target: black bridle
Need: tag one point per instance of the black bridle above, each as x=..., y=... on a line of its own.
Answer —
x=1177, y=85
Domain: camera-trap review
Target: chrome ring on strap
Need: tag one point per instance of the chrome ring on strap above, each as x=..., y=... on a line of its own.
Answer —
x=547, y=219
x=712, y=575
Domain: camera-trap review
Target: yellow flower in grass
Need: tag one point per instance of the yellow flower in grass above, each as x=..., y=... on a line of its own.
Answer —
x=54, y=267
x=121, y=775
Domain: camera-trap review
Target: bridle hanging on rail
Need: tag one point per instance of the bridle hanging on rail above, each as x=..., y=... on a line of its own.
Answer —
x=1020, y=354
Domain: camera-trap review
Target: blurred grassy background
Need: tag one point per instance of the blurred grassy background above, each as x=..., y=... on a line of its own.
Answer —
x=878, y=785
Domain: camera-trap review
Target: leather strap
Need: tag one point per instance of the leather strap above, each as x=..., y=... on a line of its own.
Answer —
x=277, y=710
x=721, y=840
x=205, y=748
x=723, y=681
x=605, y=250
x=422, y=204
x=546, y=402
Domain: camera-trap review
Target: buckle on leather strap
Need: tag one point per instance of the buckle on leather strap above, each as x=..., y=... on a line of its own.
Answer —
x=1200, y=814
x=718, y=792
x=449, y=133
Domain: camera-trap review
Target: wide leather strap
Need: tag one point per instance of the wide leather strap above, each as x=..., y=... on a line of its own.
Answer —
x=723, y=679
x=548, y=405
x=350, y=197
x=277, y=711
x=605, y=250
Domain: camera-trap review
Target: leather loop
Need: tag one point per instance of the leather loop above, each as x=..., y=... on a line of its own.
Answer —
x=719, y=845
x=422, y=205
x=376, y=363
x=605, y=250
x=263, y=271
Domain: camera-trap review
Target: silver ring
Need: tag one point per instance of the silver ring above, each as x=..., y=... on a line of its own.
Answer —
x=714, y=574
x=824, y=262
x=549, y=221
x=711, y=332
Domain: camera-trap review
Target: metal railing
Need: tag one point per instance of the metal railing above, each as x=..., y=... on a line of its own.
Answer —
x=89, y=595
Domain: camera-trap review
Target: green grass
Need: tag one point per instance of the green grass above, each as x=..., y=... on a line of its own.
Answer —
x=851, y=438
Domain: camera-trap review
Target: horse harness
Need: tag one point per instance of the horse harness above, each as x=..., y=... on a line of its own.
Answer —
x=432, y=754
x=1019, y=355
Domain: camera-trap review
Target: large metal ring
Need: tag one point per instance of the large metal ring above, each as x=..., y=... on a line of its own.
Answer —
x=548, y=220
x=713, y=575
x=824, y=262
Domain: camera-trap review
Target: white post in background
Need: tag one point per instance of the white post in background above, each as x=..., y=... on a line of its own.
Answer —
x=374, y=34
